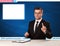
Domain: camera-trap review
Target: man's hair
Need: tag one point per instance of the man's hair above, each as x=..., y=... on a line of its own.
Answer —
x=38, y=8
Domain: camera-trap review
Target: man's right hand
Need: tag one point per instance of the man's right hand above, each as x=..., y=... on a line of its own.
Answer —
x=26, y=34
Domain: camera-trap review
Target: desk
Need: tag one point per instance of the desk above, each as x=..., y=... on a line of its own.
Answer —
x=31, y=43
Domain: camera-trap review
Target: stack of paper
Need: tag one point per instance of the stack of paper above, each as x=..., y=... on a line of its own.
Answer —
x=22, y=40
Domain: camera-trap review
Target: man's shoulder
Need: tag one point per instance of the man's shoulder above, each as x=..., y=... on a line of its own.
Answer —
x=32, y=21
x=45, y=22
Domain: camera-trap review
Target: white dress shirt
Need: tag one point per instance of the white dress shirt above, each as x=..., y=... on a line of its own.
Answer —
x=36, y=22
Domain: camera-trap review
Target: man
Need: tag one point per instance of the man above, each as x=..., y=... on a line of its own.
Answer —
x=38, y=28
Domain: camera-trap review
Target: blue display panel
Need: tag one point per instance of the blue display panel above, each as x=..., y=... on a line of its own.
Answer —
x=17, y=28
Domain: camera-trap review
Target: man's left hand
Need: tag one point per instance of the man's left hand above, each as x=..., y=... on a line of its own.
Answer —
x=43, y=28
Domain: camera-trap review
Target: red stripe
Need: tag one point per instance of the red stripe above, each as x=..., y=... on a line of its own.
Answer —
x=6, y=0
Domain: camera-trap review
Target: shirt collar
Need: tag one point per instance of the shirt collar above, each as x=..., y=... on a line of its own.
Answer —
x=38, y=20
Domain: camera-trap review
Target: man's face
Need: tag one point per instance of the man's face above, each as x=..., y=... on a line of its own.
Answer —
x=38, y=14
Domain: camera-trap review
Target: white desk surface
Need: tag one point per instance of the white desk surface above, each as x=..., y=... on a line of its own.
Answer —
x=31, y=43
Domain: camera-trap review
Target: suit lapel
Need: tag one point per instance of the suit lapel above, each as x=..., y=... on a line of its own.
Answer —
x=33, y=26
x=40, y=25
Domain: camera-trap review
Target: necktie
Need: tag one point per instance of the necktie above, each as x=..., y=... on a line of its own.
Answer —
x=36, y=26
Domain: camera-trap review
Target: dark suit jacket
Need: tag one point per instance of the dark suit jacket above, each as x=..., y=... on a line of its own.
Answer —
x=39, y=34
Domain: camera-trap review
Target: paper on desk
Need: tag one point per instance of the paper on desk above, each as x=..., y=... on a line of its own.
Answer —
x=22, y=40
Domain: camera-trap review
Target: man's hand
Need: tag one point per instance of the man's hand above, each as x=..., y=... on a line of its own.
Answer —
x=43, y=28
x=26, y=34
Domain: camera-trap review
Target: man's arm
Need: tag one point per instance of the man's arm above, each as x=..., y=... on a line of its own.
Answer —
x=27, y=34
x=48, y=31
x=29, y=26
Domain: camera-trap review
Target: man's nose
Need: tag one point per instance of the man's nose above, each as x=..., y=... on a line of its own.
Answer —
x=37, y=14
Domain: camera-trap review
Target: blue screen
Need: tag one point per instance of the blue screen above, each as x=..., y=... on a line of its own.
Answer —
x=17, y=28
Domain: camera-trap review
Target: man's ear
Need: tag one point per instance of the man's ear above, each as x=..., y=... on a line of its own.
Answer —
x=42, y=12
